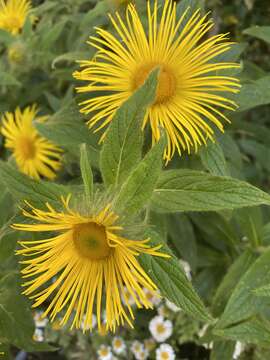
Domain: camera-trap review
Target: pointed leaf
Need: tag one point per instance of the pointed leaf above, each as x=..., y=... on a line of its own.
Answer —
x=172, y=281
x=254, y=331
x=86, y=171
x=213, y=159
x=24, y=188
x=139, y=186
x=243, y=302
x=123, y=144
x=255, y=94
x=230, y=280
x=260, y=32
x=190, y=190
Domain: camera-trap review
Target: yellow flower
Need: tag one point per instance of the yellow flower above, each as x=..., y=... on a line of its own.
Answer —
x=190, y=91
x=92, y=263
x=13, y=14
x=35, y=156
x=17, y=53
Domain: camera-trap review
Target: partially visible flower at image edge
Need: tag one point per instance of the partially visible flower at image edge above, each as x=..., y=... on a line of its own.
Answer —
x=35, y=156
x=191, y=89
x=92, y=263
x=13, y=14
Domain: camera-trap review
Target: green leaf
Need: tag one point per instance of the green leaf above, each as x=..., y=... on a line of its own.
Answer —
x=172, y=281
x=183, y=238
x=6, y=205
x=86, y=171
x=220, y=234
x=222, y=350
x=243, y=302
x=251, y=224
x=90, y=18
x=138, y=188
x=71, y=56
x=233, y=155
x=16, y=319
x=24, y=188
x=122, y=148
x=254, y=331
x=51, y=36
x=7, y=79
x=41, y=9
x=192, y=6
x=263, y=291
x=230, y=280
x=259, y=151
x=254, y=130
x=260, y=32
x=190, y=190
x=255, y=94
x=213, y=159
x=8, y=244
x=67, y=129
x=6, y=37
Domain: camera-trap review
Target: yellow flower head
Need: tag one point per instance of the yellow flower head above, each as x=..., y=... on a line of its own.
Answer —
x=190, y=91
x=13, y=14
x=17, y=53
x=92, y=263
x=35, y=156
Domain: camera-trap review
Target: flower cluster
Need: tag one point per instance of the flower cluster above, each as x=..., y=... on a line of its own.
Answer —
x=84, y=258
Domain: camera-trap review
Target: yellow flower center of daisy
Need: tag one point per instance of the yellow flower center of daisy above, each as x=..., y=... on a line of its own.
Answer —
x=91, y=242
x=164, y=356
x=149, y=296
x=117, y=343
x=166, y=86
x=104, y=352
x=160, y=328
x=27, y=148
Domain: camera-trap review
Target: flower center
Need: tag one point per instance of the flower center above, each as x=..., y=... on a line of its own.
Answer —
x=13, y=23
x=166, y=86
x=118, y=343
x=104, y=352
x=27, y=148
x=149, y=296
x=91, y=242
x=164, y=356
x=160, y=328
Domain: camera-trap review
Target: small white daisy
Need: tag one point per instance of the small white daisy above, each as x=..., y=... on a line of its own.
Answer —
x=239, y=348
x=104, y=353
x=136, y=347
x=94, y=322
x=38, y=335
x=165, y=352
x=152, y=297
x=142, y=355
x=160, y=329
x=163, y=311
x=127, y=298
x=172, y=306
x=39, y=320
x=119, y=346
x=187, y=269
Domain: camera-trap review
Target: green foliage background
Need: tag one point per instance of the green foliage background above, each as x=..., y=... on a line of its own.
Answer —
x=210, y=209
